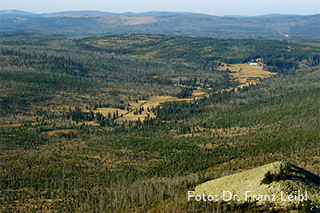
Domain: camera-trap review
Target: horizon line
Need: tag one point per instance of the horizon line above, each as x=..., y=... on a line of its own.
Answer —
x=161, y=11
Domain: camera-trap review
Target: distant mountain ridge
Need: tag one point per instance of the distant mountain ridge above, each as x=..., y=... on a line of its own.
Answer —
x=99, y=13
x=265, y=15
x=14, y=13
x=87, y=23
x=19, y=13
x=93, y=13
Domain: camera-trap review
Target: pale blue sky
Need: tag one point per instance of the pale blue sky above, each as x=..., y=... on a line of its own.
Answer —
x=212, y=7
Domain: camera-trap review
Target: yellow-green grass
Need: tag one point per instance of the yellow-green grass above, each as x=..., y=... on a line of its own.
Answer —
x=247, y=187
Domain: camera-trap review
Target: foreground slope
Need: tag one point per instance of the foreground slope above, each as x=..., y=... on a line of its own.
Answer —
x=247, y=186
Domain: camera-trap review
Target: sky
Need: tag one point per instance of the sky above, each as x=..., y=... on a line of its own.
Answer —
x=211, y=7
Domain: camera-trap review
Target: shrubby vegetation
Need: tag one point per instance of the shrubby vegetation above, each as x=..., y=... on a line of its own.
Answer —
x=284, y=172
x=208, y=53
x=52, y=160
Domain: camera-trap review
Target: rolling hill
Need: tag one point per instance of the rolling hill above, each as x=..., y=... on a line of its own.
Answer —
x=83, y=23
x=14, y=13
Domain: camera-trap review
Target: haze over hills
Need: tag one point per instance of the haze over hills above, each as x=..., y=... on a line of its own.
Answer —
x=85, y=23
x=20, y=13
x=14, y=13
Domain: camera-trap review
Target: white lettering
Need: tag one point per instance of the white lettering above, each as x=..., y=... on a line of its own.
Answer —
x=230, y=196
x=190, y=195
x=198, y=197
x=282, y=199
x=247, y=196
x=210, y=197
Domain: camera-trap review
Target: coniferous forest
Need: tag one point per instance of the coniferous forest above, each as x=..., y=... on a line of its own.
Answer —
x=131, y=122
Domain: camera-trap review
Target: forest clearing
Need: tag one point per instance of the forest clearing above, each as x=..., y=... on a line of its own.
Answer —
x=132, y=122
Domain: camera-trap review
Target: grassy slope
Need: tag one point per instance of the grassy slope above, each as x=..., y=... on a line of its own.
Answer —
x=250, y=180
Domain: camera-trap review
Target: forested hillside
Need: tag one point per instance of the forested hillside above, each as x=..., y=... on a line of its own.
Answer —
x=90, y=23
x=67, y=142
